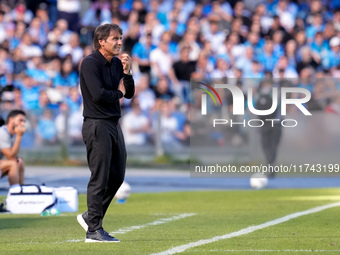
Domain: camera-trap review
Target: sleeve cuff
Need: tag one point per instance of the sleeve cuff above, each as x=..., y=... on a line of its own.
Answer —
x=120, y=94
x=127, y=76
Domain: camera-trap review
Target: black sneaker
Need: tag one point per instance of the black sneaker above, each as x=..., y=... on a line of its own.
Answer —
x=100, y=236
x=83, y=219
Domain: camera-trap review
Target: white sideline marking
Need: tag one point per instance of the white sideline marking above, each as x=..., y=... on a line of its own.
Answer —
x=253, y=250
x=129, y=229
x=154, y=223
x=247, y=230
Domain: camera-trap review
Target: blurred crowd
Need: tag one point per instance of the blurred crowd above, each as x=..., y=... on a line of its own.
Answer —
x=42, y=43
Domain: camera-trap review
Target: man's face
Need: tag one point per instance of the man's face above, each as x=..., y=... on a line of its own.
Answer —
x=164, y=46
x=136, y=107
x=18, y=120
x=112, y=44
x=148, y=39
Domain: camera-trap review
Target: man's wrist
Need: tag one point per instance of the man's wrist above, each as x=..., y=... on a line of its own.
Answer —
x=122, y=95
x=128, y=72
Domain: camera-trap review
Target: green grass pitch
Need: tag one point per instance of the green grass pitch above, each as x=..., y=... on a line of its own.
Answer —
x=215, y=213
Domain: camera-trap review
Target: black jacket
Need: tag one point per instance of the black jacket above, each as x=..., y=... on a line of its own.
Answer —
x=99, y=81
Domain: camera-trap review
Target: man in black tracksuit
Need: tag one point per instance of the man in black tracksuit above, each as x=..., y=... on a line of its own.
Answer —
x=104, y=79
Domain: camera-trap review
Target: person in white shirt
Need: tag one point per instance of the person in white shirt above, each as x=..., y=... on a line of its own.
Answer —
x=135, y=125
x=28, y=49
x=168, y=126
x=10, y=139
x=146, y=95
x=72, y=48
x=214, y=35
x=69, y=10
x=161, y=61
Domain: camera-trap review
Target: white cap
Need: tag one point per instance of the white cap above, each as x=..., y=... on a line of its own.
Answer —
x=335, y=41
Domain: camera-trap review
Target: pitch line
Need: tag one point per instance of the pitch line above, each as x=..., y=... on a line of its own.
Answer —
x=154, y=223
x=129, y=229
x=247, y=230
x=263, y=250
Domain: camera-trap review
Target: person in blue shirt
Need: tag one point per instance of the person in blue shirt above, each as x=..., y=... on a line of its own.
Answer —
x=255, y=42
x=154, y=6
x=67, y=78
x=332, y=58
x=52, y=10
x=38, y=72
x=141, y=53
x=20, y=29
x=245, y=62
x=316, y=26
x=43, y=105
x=256, y=71
x=319, y=44
x=6, y=67
x=268, y=59
x=29, y=92
x=46, y=129
x=74, y=99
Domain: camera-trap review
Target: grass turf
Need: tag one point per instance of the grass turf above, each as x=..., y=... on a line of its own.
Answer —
x=217, y=213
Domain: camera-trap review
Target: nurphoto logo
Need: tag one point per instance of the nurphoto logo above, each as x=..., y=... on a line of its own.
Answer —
x=238, y=104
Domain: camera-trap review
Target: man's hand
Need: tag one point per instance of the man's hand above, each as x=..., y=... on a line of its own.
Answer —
x=126, y=61
x=121, y=87
x=20, y=130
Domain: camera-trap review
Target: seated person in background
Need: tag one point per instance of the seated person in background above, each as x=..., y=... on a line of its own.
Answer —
x=10, y=163
x=135, y=125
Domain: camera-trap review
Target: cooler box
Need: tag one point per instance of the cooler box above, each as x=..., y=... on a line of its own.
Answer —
x=30, y=199
x=67, y=199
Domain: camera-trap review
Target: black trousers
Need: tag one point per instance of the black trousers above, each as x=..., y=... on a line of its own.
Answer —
x=106, y=157
x=270, y=138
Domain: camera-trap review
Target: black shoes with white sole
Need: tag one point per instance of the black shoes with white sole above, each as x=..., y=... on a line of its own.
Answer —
x=82, y=220
x=98, y=236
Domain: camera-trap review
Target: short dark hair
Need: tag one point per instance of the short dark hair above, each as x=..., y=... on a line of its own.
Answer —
x=102, y=32
x=14, y=113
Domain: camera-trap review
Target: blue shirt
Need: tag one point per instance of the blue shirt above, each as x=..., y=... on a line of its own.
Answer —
x=309, y=87
x=268, y=62
x=311, y=30
x=180, y=117
x=74, y=105
x=319, y=48
x=330, y=60
x=38, y=75
x=141, y=51
x=257, y=48
x=30, y=97
x=47, y=129
x=14, y=43
x=71, y=80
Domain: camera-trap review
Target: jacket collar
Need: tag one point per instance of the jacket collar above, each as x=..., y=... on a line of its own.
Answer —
x=102, y=59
